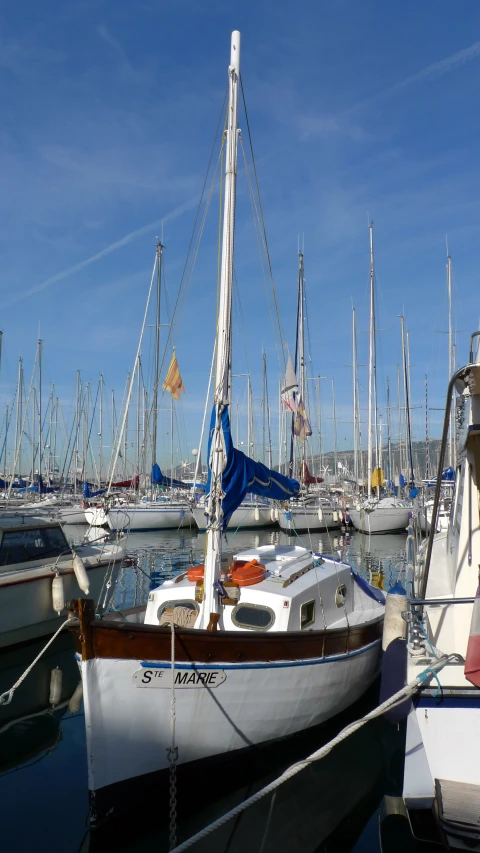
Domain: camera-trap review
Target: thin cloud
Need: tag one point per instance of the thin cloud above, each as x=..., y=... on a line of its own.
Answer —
x=118, y=244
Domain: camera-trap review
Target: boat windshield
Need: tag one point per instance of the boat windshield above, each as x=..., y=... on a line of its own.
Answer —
x=21, y=546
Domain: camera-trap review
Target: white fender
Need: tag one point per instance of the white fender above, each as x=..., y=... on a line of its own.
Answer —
x=58, y=596
x=320, y=513
x=55, y=686
x=76, y=699
x=257, y=514
x=394, y=627
x=335, y=516
x=81, y=574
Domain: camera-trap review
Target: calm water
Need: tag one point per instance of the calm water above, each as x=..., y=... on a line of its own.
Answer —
x=336, y=804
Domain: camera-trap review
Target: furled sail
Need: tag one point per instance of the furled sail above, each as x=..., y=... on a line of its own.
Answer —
x=290, y=387
x=241, y=475
x=307, y=478
x=88, y=494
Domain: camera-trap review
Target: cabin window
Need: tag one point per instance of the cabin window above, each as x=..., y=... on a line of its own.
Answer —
x=253, y=616
x=341, y=595
x=307, y=614
x=169, y=605
x=22, y=546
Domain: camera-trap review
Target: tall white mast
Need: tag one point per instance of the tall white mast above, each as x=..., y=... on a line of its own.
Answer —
x=371, y=361
x=209, y=615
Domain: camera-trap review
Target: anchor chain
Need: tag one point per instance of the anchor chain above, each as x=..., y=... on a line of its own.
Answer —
x=172, y=751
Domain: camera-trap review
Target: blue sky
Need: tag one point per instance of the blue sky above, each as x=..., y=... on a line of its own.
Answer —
x=357, y=111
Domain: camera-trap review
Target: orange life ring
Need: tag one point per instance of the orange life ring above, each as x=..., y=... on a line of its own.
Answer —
x=246, y=574
x=196, y=573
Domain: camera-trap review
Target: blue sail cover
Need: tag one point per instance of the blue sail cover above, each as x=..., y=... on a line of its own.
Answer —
x=40, y=487
x=159, y=479
x=88, y=494
x=242, y=475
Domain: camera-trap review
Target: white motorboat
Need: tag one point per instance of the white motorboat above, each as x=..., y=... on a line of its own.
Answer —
x=311, y=513
x=387, y=515
x=442, y=760
x=250, y=514
x=34, y=552
x=276, y=642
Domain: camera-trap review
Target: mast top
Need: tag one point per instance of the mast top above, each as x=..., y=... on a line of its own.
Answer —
x=235, y=52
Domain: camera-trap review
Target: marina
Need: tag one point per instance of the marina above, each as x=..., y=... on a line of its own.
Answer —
x=240, y=469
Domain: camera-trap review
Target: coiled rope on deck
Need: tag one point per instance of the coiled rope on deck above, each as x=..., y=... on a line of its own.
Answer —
x=392, y=702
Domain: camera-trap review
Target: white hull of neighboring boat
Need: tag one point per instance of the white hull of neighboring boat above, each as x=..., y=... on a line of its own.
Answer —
x=307, y=518
x=26, y=608
x=249, y=705
x=380, y=519
x=243, y=517
x=72, y=515
x=442, y=763
x=153, y=517
x=96, y=516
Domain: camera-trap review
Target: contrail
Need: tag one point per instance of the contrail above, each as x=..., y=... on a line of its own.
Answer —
x=437, y=69
x=124, y=241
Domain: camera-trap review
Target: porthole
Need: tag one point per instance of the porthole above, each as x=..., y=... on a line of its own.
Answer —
x=307, y=614
x=341, y=595
x=253, y=616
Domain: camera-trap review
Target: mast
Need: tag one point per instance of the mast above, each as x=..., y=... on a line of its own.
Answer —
x=100, y=434
x=389, y=443
x=355, y=401
x=39, y=407
x=334, y=415
x=18, y=413
x=427, y=444
x=451, y=365
x=210, y=609
x=371, y=360
x=264, y=405
x=160, y=249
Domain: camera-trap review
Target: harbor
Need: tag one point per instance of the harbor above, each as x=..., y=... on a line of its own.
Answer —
x=240, y=468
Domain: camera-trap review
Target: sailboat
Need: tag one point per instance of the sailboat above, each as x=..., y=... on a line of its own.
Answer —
x=442, y=760
x=376, y=514
x=250, y=650
x=312, y=510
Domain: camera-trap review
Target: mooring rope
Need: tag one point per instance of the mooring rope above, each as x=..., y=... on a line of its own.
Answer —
x=291, y=771
x=6, y=698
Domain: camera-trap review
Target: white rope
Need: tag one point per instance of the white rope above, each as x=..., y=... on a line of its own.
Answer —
x=6, y=698
x=392, y=702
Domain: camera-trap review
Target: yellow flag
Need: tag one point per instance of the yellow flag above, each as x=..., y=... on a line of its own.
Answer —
x=173, y=380
x=377, y=478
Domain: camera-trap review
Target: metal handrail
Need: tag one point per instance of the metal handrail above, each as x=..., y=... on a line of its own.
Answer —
x=472, y=337
x=416, y=601
x=433, y=525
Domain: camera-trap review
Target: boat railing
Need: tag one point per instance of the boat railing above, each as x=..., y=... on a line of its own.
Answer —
x=458, y=377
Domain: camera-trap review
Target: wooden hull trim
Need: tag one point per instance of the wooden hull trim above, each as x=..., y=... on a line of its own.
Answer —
x=127, y=641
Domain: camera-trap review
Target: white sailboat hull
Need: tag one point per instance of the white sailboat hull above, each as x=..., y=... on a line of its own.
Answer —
x=148, y=517
x=243, y=517
x=96, y=516
x=253, y=704
x=71, y=515
x=380, y=519
x=307, y=518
